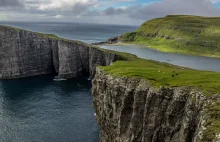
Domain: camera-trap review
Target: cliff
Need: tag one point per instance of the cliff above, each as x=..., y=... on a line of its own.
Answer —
x=134, y=99
x=133, y=110
x=24, y=53
x=141, y=100
x=178, y=33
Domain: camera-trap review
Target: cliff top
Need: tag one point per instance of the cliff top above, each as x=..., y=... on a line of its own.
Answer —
x=163, y=74
x=166, y=75
x=180, y=33
x=195, y=23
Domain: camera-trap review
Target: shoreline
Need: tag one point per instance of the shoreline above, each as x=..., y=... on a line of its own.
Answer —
x=158, y=49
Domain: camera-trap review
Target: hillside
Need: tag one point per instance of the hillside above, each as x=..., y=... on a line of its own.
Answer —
x=182, y=34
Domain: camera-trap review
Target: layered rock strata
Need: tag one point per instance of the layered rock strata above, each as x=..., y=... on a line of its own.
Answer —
x=24, y=54
x=131, y=110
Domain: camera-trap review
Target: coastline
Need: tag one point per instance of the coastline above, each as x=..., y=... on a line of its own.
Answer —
x=162, y=49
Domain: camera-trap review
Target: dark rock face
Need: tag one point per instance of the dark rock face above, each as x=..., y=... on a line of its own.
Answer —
x=77, y=59
x=73, y=59
x=25, y=53
x=131, y=110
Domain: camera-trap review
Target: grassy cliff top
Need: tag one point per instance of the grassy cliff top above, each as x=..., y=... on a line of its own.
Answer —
x=180, y=33
x=166, y=75
x=163, y=74
x=195, y=23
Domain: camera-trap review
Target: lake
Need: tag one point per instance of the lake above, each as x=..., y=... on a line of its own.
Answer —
x=190, y=61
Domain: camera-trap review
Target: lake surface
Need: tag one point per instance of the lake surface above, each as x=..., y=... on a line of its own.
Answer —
x=38, y=109
x=190, y=61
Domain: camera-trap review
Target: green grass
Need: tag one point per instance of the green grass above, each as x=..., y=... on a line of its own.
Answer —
x=160, y=74
x=213, y=123
x=182, y=34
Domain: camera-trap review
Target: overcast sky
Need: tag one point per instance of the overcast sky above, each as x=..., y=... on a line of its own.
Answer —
x=131, y=12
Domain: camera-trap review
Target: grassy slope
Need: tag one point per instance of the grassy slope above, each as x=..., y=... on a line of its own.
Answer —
x=182, y=34
x=160, y=74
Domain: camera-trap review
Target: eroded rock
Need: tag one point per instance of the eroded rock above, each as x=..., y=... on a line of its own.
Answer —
x=131, y=110
x=24, y=53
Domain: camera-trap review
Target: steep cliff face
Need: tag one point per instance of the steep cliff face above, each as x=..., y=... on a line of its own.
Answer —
x=25, y=53
x=131, y=110
x=77, y=59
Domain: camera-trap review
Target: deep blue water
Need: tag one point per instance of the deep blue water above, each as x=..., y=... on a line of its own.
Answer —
x=38, y=109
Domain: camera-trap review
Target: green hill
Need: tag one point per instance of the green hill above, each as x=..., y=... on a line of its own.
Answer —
x=182, y=34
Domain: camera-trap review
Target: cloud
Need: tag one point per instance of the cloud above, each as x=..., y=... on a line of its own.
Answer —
x=215, y=1
x=65, y=5
x=10, y=3
x=59, y=16
x=112, y=11
x=174, y=7
x=104, y=11
x=163, y=8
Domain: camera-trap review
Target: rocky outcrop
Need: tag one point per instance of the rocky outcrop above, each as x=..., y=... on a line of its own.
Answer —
x=24, y=53
x=131, y=110
x=112, y=40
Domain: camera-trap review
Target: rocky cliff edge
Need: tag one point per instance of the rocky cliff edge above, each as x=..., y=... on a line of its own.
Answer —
x=132, y=110
x=24, y=53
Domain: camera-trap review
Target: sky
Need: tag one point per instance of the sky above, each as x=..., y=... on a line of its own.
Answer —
x=125, y=12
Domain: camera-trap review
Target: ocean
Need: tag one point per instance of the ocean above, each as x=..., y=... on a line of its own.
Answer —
x=88, y=33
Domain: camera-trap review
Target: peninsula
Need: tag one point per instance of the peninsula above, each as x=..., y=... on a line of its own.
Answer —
x=176, y=33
